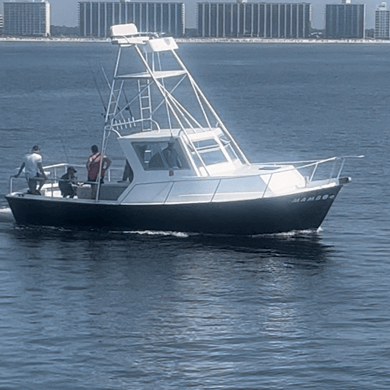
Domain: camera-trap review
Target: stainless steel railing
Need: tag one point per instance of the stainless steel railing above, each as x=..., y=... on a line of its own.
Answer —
x=54, y=173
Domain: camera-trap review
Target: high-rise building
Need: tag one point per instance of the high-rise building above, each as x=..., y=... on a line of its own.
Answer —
x=242, y=19
x=27, y=18
x=345, y=20
x=382, y=22
x=95, y=19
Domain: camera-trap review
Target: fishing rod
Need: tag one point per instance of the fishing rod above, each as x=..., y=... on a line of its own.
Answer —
x=101, y=97
x=124, y=93
x=64, y=149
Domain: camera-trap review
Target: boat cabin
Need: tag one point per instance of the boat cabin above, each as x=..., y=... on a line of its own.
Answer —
x=182, y=154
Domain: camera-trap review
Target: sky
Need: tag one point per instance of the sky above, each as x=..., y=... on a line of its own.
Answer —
x=64, y=12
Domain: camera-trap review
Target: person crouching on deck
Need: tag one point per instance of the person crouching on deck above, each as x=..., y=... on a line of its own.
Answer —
x=67, y=182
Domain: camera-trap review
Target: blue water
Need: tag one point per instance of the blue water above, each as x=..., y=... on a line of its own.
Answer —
x=87, y=310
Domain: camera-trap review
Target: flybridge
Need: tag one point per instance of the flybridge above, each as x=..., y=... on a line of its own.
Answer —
x=155, y=104
x=163, y=90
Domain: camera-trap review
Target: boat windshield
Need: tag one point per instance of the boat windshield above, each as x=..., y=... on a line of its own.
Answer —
x=228, y=147
x=210, y=152
x=160, y=155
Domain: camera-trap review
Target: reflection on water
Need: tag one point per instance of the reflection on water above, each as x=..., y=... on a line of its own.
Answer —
x=299, y=248
x=306, y=247
x=145, y=310
x=137, y=306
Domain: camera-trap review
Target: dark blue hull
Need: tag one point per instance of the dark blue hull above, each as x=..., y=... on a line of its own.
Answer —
x=248, y=217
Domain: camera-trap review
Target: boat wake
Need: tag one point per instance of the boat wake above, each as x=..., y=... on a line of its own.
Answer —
x=292, y=234
x=6, y=215
x=153, y=233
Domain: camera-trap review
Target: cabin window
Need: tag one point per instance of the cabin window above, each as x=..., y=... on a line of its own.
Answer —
x=155, y=156
x=228, y=147
x=206, y=144
x=210, y=152
x=211, y=157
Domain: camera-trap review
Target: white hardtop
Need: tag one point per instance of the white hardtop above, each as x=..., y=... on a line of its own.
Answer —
x=128, y=34
x=156, y=74
x=166, y=134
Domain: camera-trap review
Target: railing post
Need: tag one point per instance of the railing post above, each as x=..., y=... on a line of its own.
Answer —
x=332, y=170
x=341, y=168
x=314, y=171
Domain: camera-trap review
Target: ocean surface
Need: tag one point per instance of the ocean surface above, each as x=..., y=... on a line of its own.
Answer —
x=161, y=310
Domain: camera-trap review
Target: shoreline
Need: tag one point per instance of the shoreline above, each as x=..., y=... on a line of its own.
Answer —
x=206, y=40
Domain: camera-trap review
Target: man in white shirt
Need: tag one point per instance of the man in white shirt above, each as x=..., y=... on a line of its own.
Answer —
x=33, y=169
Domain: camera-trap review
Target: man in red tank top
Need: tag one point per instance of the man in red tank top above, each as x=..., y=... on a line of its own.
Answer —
x=93, y=165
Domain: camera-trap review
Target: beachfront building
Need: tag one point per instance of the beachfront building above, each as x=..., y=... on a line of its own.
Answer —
x=265, y=20
x=1, y=24
x=382, y=22
x=95, y=19
x=345, y=20
x=27, y=18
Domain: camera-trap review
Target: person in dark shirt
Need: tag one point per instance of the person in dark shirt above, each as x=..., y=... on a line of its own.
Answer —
x=66, y=181
x=127, y=173
x=172, y=156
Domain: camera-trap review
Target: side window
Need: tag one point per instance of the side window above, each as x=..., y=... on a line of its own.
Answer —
x=160, y=155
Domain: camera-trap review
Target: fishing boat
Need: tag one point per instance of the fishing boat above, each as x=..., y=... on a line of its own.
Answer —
x=188, y=172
